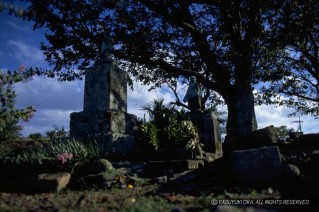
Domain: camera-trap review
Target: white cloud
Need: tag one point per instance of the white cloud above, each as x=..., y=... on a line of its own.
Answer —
x=46, y=93
x=26, y=54
x=278, y=116
x=44, y=120
x=21, y=28
x=53, y=101
x=271, y=115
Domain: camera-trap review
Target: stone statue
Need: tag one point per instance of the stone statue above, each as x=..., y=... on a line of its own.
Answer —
x=193, y=96
x=106, y=49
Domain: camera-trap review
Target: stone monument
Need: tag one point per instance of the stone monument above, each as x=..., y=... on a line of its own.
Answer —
x=208, y=129
x=104, y=117
x=207, y=126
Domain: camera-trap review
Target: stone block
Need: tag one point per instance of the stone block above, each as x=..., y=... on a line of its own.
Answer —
x=256, y=165
x=105, y=87
x=115, y=145
x=209, y=131
x=262, y=137
x=86, y=124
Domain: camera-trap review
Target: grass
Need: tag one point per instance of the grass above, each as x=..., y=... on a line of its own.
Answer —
x=46, y=153
x=147, y=198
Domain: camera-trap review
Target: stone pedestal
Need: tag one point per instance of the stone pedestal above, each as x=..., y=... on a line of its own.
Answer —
x=115, y=130
x=209, y=131
x=88, y=123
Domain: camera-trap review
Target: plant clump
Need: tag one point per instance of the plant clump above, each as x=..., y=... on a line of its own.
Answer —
x=59, y=154
x=168, y=127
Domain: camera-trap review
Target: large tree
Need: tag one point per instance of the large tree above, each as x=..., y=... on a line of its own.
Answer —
x=218, y=41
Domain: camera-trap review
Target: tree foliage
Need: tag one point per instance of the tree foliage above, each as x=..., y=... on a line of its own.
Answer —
x=12, y=9
x=229, y=45
x=9, y=114
x=283, y=131
x=297, y=32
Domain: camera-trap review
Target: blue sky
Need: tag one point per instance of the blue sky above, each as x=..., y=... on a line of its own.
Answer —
x=54, y=101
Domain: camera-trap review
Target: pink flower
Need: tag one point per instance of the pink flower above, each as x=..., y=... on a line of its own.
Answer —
x=64, y=157
x=21, y=67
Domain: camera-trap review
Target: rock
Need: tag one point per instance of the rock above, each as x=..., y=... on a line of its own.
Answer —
x=160, y=179
x=93, y=167
x=101, y=165
x=106, y=179
x=315, y=153
x=296, y=160
x=295, y=135
x=291, y=170
x=262, y=137
x=101, y=180
x=309, y=140
x=210, y=157
x=49, y=182
x=256, y=165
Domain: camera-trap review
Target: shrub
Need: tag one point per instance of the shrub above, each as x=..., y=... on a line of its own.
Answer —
x=182, y=134
x=168, y=127
x=57, y=134
x=150, y=133
x=35, y=136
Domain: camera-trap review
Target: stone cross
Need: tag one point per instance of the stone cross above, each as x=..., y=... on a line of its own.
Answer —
x=105, y=84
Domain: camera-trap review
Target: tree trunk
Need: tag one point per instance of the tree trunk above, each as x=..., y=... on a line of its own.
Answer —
x=241, y=111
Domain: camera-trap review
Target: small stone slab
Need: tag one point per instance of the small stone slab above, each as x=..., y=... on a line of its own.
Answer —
x=50, y=182
x=256, y=165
